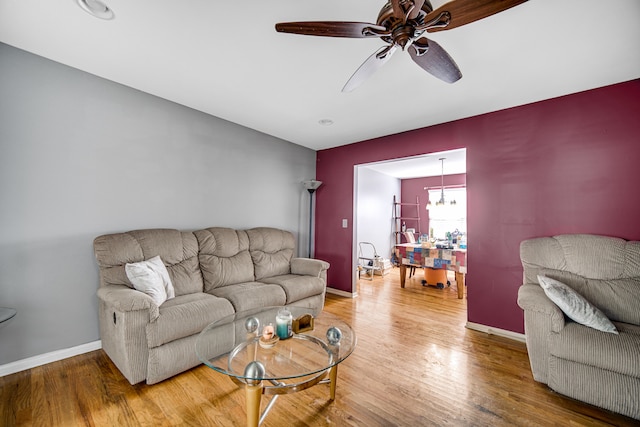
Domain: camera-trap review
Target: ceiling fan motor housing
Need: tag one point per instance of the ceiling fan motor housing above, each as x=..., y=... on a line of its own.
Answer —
x=401, y=31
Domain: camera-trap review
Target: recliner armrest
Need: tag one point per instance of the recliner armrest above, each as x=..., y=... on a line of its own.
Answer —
x=531, y=297
x=125, y=299
x=308, y=266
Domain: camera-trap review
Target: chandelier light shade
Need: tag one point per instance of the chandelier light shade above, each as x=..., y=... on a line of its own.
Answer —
x=440, y=202
x=311, y=186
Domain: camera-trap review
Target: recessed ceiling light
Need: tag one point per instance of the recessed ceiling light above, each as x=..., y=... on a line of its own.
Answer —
x=325, y=122
x=96, y=8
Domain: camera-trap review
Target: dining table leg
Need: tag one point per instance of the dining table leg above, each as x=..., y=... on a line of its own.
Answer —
x=403, y=274
x=460, y=284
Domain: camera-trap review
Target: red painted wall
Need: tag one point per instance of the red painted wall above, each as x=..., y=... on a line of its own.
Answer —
x=566, y=165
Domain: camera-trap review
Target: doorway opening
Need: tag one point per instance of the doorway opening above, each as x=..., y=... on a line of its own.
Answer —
x=408, y=179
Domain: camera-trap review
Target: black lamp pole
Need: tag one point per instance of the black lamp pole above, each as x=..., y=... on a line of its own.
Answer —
x=311, y=186
x=311, y=191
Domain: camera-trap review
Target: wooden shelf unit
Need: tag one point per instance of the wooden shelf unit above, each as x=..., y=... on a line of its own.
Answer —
x=399, y=217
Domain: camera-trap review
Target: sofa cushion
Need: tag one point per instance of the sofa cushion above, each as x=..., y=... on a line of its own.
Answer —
x=271, y=251
x=184, y=316
x=178, y=250
x=250, y=295
x=590, y=256
x=298, y=287
x=618, y=299
x=597, y=257
x=224, y=257
x=616, y=353
x=575, y=306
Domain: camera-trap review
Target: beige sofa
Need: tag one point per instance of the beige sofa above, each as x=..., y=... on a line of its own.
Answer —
x=600, y=368
x=215, y=272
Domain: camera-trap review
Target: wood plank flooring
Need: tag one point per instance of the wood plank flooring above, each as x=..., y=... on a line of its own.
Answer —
x=415, y=365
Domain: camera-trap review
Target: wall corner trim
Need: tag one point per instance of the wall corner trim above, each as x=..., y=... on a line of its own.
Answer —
x=496, y=331
x=43, y=359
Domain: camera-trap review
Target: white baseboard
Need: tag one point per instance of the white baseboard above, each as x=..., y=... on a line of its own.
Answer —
x=43, y=359
x=496, y=331
x=342, y=293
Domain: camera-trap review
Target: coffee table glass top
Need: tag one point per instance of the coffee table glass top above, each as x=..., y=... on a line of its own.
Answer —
x=231, y=344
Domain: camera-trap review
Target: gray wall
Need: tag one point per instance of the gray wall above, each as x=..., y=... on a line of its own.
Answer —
x=81, y=156
x=374, y=207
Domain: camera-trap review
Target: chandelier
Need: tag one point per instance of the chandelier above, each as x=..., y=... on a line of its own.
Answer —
x=441, y=202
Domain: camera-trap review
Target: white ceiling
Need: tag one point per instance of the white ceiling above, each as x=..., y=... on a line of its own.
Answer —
x=225, y=58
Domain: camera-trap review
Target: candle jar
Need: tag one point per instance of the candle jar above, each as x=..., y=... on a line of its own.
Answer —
x=284, y=319
x=268, y=332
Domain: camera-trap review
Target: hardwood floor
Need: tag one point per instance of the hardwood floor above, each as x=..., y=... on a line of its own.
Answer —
x=415, y=365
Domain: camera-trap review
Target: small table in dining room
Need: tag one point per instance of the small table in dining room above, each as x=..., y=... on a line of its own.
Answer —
x=417, y=255
x=232, y=346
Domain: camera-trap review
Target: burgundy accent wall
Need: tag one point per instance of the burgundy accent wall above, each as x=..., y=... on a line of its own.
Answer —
x=565, y=165
x=410, y=188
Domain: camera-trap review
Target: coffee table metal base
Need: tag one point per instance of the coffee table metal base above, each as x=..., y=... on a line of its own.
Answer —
x=234, y=346
x=254, y=392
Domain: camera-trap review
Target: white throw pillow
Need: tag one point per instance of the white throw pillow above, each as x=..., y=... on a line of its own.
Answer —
x=575, y=306
x=152, y=278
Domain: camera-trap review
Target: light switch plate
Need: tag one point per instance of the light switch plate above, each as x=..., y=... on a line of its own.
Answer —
x=345, y=223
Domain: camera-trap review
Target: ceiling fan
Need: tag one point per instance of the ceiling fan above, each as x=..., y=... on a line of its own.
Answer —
x=401, y=24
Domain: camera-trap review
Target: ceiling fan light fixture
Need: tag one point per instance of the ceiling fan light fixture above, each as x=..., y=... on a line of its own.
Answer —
x=96, y=8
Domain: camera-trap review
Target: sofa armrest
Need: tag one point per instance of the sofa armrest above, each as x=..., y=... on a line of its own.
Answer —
x=309, y=267
x=541, y=319
x=531, y=298
x=125, y=299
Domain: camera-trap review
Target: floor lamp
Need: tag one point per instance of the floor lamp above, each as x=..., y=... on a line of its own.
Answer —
x=311, y=186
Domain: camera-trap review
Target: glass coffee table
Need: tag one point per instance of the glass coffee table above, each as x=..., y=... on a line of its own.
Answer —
x=235, y=346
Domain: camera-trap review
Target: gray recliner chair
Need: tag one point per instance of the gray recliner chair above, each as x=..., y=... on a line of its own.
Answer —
x=581, y=362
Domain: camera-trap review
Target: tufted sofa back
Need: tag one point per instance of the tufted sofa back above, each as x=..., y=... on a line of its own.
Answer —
x=177, y=249
x=224, y=257
x=271, y=251
x=201, y=260
x=604, y=270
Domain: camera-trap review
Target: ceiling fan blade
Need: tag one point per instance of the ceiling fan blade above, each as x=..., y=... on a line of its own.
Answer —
x=417, y=6
x=332, y=29
x=434, y=60
x=370, y=66
x=463, y=12
x=398, y=10
x=406, y=9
